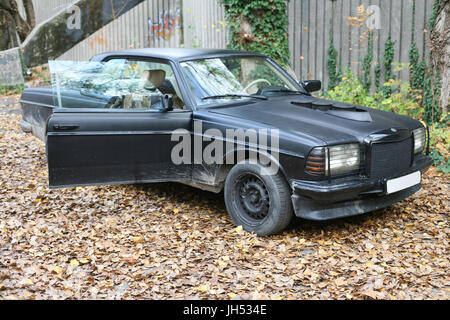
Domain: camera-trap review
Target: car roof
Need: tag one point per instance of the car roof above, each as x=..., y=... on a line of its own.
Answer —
x=174, y=54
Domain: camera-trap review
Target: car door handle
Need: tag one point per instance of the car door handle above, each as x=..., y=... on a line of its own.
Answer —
x=67, y=127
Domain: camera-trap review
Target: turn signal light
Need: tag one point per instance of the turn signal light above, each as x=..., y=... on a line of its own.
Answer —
x=316, y=163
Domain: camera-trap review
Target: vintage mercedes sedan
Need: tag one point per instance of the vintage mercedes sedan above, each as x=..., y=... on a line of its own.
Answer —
x=226, y=121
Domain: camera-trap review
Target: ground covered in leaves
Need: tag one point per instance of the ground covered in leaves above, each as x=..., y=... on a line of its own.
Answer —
x=168, y=241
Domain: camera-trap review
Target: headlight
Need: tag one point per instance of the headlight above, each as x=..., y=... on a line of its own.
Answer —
x=419, y=140
x=342, y=159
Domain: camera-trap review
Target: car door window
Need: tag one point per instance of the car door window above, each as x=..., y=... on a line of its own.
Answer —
x=115, y=84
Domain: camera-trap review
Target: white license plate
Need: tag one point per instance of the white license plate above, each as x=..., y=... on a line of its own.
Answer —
x=402, y=183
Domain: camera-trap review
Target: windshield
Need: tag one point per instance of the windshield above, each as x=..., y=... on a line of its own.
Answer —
x=221, y=79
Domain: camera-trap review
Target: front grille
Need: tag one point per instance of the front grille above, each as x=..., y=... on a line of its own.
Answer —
x=390, y=159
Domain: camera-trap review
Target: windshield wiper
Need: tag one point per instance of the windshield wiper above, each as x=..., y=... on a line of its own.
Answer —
x=235, y=96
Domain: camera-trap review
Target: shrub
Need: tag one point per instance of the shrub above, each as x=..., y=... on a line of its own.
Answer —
x=402, y=100
x=440, y=141
x=351, y=90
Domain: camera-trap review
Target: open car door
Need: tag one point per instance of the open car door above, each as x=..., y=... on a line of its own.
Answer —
x=122, y=137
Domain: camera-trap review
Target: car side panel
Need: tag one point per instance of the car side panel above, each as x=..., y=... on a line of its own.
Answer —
x=113, y=147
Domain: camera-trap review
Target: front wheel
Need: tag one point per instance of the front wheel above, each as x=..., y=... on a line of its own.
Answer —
x=258, y=201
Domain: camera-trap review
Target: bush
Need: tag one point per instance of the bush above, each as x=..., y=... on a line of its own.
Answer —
x=440, y=141
x=402, y=100
x=351, y=90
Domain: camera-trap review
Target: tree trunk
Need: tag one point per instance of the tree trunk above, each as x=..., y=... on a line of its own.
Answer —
x=440, y=51
x=29, y=10
x=8, y=36
x=24, y=27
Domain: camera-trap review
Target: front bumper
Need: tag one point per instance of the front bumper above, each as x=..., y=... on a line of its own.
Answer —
x=324, y=200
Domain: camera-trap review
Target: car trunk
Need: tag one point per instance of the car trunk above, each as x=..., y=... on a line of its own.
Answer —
x=38, y=104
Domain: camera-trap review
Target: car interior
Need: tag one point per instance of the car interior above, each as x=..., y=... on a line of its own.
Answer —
x=141, y=85
x=119, y=84
x=158, y=80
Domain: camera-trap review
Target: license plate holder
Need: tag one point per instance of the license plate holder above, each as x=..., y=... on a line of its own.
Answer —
x=402, y=183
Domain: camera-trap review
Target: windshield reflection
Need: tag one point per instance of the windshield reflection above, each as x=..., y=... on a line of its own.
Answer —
x=233, y=78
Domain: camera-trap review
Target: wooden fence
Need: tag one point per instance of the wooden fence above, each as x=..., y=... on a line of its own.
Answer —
x=312, y=22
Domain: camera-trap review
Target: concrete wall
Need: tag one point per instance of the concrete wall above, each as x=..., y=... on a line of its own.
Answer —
x=45, y=9
x=151, y=23
x=68, y=28
x=11, y=67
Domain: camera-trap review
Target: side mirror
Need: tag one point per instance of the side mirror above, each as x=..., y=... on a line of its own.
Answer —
x=311, y=85
x=167, y=102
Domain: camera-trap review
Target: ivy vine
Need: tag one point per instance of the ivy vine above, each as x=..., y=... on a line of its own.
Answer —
x=367, y=63
x=416, y=68
x=437, y=87
x=431, y=92
x=259, y=26
x=427, y=99
x=333, y=73
x=377, y=72
x=388, y=59
x=434, y=14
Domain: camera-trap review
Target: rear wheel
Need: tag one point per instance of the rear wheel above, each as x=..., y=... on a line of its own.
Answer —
x=257, y=201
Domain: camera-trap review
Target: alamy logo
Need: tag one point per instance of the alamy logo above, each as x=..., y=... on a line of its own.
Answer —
x=373, y=21
x=256, y=146
x=74, y=20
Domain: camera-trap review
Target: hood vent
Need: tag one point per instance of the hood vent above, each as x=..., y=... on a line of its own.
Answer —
x=337, y=109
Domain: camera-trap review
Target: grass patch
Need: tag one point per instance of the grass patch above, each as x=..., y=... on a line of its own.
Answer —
x=11, y=90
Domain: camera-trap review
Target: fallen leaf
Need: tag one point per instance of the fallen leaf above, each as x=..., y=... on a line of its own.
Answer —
x=340, y=282
x=201, y=288
x=74, y=263
x=57, y=270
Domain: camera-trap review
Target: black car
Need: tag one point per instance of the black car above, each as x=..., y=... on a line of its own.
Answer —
x=227, y=121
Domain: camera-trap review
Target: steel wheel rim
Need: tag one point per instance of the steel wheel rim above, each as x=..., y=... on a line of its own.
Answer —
x=253, y=197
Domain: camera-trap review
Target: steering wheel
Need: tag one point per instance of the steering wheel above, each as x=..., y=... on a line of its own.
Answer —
x=251, y=84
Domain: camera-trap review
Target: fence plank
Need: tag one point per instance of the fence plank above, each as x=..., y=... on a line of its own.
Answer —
x=298, y=44
x=346, y=34
x=327, y=13
x=351, y=42
x=407, y=24
x=291, y=35
x=305, y=4
x=312, y=40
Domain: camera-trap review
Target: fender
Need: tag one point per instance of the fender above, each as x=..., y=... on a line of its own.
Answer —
x=231, y=156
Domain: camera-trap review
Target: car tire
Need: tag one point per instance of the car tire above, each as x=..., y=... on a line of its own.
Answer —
x=257, y=201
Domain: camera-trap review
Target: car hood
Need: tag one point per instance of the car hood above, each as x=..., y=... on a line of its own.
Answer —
x=332, y=122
